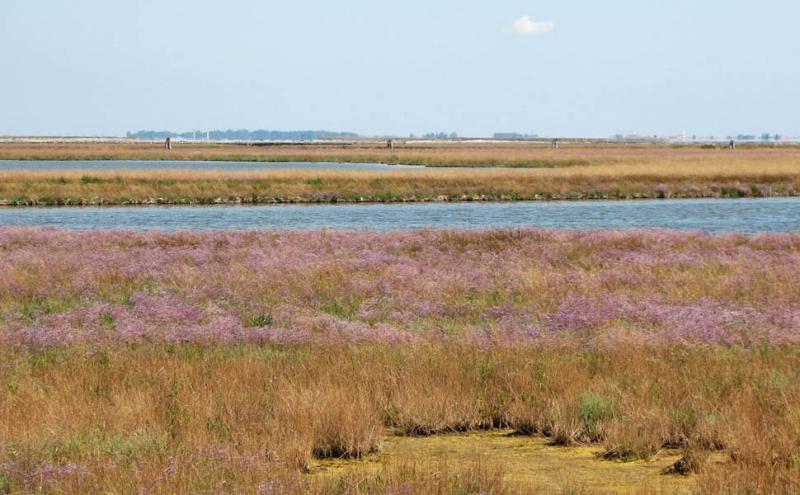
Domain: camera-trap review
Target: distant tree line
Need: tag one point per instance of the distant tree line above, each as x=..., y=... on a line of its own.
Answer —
x=242, y=135
x=440, y=135
x=514, y=135
x=751, y=137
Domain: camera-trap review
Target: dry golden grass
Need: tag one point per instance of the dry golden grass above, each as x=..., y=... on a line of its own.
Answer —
x=185, y=419
x=431, y=154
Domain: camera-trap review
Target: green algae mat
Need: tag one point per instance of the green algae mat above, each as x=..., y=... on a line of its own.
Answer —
x=529, y=463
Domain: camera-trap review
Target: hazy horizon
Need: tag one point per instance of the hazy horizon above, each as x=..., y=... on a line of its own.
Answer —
x=567, y=68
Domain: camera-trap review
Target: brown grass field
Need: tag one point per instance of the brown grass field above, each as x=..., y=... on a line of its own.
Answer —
x=184, y=419
x=537, y=173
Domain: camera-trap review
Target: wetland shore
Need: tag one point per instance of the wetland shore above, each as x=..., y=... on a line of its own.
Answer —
x=488, y=172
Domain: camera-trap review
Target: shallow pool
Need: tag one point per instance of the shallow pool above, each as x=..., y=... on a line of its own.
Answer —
x=34, y=165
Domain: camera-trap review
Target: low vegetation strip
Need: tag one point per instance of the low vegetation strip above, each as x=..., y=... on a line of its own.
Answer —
x=230, y=362
x=76, y=188
x=61, y=287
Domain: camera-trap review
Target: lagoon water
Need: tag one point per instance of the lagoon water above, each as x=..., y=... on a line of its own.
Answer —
x=709, y=215
x=34, y=165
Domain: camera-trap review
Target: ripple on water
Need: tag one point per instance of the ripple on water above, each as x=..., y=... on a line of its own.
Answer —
x=714, y=215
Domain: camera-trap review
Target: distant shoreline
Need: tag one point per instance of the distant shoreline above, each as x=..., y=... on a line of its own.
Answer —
x=509, y=172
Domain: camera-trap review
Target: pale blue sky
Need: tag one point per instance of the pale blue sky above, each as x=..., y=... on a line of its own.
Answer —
x=583, y=68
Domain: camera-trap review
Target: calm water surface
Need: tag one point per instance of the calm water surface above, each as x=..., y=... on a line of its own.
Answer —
x=188, y=165
x=712, y=215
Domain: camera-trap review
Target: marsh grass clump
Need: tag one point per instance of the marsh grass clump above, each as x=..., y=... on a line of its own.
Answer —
x=333, y=422
x=596, y=411
x=633, y=440
x=683, y=426
x=692, y=462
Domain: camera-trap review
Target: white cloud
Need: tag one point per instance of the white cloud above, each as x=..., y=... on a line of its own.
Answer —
x=526, y=26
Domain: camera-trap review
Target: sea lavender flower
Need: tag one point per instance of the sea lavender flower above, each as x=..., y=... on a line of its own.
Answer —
x=63, y=288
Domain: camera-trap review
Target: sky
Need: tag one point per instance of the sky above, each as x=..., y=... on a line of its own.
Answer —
x=475, y=67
